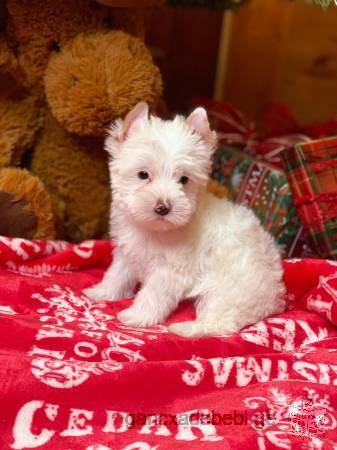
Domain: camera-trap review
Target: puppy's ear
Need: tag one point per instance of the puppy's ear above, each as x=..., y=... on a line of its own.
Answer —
x=134, y=118
x=198, y=121
x=121, y=129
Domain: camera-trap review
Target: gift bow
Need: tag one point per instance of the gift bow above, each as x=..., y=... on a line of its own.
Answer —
x=319, y=216
x=233, y=128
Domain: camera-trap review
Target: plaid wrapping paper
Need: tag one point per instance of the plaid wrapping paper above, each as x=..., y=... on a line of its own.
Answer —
x=312, y=173
x=265, y=189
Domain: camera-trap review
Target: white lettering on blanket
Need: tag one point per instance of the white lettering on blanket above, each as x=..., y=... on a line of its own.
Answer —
x=282, y=334
x=38, y=270
x=60, y=422
x=89, y=331
x=241, y=371
x=21, y=247
x=81, y=422
x=85, y=249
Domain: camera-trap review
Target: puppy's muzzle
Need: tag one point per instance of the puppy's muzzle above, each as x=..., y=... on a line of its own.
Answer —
x=162, y=208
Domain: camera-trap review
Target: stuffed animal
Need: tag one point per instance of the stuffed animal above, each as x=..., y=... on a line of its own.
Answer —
x=98, y=77
x=68, y=70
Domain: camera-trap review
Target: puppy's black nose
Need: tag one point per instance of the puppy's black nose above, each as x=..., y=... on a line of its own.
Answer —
x=162, y=209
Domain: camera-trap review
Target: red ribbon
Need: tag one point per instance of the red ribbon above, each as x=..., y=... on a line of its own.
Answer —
x=234, y=128
x=279, y=120
x=325, y=214
x=321, y=166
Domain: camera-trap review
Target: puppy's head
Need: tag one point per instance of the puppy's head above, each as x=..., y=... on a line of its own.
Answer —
x=158, y=168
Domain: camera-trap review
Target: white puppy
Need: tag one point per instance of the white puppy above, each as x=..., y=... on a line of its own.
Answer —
x=178, y=240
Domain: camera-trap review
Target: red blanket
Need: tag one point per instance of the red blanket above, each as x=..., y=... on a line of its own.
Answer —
x=72, y=377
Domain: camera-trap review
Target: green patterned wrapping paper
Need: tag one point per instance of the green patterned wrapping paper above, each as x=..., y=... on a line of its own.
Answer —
x=265, y=189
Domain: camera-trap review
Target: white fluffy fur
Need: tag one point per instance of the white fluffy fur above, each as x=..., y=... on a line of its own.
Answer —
x=205, y=249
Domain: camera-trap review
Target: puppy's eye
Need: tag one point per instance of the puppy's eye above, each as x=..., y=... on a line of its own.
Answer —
x=143, y=175
x=184, y=179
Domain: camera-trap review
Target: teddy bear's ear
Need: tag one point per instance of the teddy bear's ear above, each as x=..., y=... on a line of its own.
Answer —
x=134, y=118
x=198, y=121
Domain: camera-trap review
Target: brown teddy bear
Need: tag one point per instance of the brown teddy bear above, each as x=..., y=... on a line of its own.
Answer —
x=98, y=77
x=68, y=74
x=35, y=28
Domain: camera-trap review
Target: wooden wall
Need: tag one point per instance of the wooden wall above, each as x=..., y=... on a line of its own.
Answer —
x=184, y=42
x=283, y=51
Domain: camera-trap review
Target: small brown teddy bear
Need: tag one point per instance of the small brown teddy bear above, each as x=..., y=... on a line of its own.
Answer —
x=98, y=77
x=68, y=73
x=36, y=28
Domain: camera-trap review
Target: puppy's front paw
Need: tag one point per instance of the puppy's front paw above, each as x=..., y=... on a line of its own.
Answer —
x=134, y=317
x=110, y=293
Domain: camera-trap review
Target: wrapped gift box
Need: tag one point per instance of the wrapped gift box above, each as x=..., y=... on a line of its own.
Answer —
x=264, y=188
x=250, y=166
x=311, y=169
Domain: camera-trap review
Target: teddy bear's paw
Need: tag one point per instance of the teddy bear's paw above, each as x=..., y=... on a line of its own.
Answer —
x=26, y=209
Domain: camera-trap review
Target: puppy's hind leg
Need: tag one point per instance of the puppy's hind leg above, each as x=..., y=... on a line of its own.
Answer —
x=202, y=327
x=213, y=319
